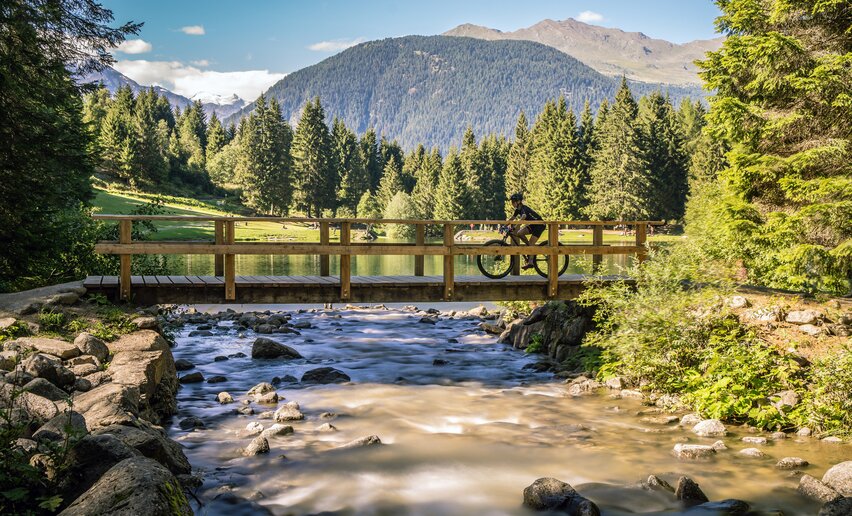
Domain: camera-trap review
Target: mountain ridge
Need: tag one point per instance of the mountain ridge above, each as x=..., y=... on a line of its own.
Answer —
x=610, y=51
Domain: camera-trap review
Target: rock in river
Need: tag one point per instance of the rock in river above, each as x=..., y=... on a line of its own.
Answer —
x=268, y=348
x=324, y=375
x=550, y=494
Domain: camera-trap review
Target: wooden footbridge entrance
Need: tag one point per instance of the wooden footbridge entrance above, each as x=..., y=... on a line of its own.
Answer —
x=225, y=286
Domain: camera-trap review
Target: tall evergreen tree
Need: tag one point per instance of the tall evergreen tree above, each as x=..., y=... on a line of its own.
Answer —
x=426, y=175
x=620, y=182
x=664, y=156
x=353, y=176
x=216, y=137
x=586, y=145
x=451, y=194
x=371, y=158
x=391, y=183
x=313, y=173
x=151, y=164
x=519, y=161
x=493, y=155
x=473, y=174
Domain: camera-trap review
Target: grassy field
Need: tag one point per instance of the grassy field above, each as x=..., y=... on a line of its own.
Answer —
x=113, y=202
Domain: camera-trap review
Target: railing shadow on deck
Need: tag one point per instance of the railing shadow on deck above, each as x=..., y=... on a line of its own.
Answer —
x=225, y=247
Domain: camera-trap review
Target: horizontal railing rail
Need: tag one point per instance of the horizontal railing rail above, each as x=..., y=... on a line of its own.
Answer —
x=225, y=247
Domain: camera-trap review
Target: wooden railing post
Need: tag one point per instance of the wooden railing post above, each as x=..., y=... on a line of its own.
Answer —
x=597, y=241
x=641, y=237
x=553, y=260
x=125, y=228
x=419, y=240
x=345, y=264
x=230, y=264
x=324, y=258
x=219, y=259
x=449, y=272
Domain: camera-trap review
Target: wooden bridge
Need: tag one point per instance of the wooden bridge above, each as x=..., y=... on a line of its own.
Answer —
x=225, y=286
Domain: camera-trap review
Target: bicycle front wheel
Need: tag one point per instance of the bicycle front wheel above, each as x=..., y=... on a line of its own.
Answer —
x=542, y=263
x=495, y=266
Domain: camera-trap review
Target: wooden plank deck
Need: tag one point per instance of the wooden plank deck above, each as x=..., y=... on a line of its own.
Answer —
x=326, y=289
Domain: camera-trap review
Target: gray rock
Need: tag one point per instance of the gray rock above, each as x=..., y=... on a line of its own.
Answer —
x=766, y=314
x=108, y=404
x=137, y=485
x=832, y=439
x=88, y=344
x=784, y=400
x=370, y=440
x=804, y=432
x=85, y=369
x=269, y=398
x=191, y=423
x=195, y=377
x=268, y=348
x=224, y=398
x=152, y=442
x=729, y=507
x=55, y=347
x=778, y=436
x=719, y=445
x=690, y=420
x=803, y=317
x=289, y=412
x=710, y=428
x=63, y=298
x=615, y=383
x=257, y=446
x=153, y=373
x=689, y=492
x=811, y=330
x=302, y=325
x=550, y=494
x=326, y=427
x=245, y=410
x=838, y=507
x=738, y=302
x=276, y=430
x=792, y=463
x=660, y=420
x=142, y=340
x=182, y=364
x=325, y=375
x=229, y=503
x=146, y=323
x=47, y=367
x=217, y=379
x=9, y=359
x=253, y=428
x=261, y=388
x=839, y=477
x=429, y=320
x=88, y=460
x=816, y=490
x=45, y=389
x=83, y=360
x=7, y=322
x=693, y=451
x=752, y=452
x=754, y=440
x=655, y=483
x=68, y=425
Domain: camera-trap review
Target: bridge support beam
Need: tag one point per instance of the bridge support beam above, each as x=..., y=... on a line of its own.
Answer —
x=219, y=259
x=420, y=240
x=125, y=230
x=449, y=271
x=597, y=241
x=324, y=258
x=345, y=263
x=230, y=264
x=553, y=260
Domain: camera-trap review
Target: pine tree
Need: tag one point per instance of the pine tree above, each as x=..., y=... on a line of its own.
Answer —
x=192, y=135
x=371, y=158
x=586, y=145
x=391, y=183
x=368, y=208
x=665, y=157
x=151, y=165
x=312, y=161
x=216, y=138
x=493, y=155
x=353, y=176
x=519, y=161
x=450, y=196
x=423, y=195
x=620, y=182
x=783, y=206
x=473, y=174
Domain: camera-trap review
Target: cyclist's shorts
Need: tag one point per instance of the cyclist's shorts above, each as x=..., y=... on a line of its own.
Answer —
x=536, y=229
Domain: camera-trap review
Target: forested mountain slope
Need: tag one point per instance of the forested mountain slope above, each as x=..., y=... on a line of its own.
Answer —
x=428, y=90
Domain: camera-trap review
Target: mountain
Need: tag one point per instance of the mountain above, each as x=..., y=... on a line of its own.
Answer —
x=609, y=51
x=112, y=79
x=429, y=89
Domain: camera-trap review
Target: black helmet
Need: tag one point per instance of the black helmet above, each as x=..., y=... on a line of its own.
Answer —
x=517, y=197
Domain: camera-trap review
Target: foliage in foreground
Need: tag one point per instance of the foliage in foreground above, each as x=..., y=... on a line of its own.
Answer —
x=673, y=333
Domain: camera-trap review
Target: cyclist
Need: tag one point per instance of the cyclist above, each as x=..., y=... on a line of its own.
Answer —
x=524, y=212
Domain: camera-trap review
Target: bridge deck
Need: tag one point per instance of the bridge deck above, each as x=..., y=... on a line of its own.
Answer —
x=326, y=289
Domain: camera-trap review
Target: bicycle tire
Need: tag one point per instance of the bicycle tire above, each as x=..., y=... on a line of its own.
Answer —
x=542, y=263
x=495, y=266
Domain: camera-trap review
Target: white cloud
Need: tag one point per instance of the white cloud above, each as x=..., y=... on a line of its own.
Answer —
x=134, y=46
x=188, y=80
x=590, y=17
x=193, y=30
x=201, y=62
x=335, y=45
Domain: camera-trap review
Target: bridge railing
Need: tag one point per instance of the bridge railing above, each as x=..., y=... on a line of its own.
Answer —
x=225, y=247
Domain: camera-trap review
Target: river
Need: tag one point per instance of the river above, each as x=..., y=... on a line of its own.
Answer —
x=465, y=428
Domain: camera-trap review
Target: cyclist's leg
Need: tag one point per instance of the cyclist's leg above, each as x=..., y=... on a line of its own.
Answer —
x=522, y=234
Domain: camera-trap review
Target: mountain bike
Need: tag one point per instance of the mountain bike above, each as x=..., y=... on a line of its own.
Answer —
x=496, y=266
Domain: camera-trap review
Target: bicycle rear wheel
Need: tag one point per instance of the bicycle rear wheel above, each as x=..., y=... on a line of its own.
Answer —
x=542, y=263
x=495, y=266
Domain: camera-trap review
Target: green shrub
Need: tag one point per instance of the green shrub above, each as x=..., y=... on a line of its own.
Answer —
x=827, y=407
x=52, y=321
x=19, y=329
x=536, y=344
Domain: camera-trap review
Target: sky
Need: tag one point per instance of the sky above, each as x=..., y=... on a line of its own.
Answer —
x=225, y=47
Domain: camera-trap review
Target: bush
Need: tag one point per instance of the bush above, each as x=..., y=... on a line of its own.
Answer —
x=827, y=407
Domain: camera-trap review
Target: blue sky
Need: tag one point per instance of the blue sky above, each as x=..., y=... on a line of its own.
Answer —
x=244, y=47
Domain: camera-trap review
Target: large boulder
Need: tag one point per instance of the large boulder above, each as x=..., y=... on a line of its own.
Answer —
x=838, y=507
x=88, y=344
x=324, y=375
x=48, y=367
x=562, y=324
x=69, y=425
x=839, y=477
x=816, y=490
x=550, y=494
x=153, y=372
x=55, y=347
x=108, y=404
x=803, y=317
x=137, y=485
x=31, y=407
x=142, y=340
x=45, y=389
x=152, y=442
x=88, y=460
x=710, y=428
x=268, y=348
x=289, y=412
x=689, y=493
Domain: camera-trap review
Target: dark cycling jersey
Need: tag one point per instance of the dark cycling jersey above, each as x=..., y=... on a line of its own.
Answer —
x=529, y=213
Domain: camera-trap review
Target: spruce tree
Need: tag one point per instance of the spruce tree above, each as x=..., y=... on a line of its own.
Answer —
x=151, y=164
x=665, y=157
x=473, y=174
x=519, y=161
x=493, y=155
x=216, y=138
x=451, y=194
x=620, y=182
x=371, y=158
x=353, y=176
x=312, y=162
x=391, y=183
